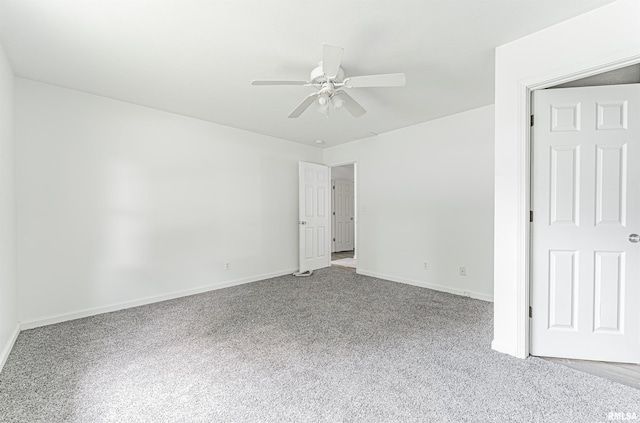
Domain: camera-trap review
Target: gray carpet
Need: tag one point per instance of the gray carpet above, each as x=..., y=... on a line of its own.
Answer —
x=334, y=347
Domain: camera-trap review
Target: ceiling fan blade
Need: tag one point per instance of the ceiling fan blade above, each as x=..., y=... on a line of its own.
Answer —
x=371, y=81
x=350, y=104
x=331, y=59
x=304, y=105
x=260, y=82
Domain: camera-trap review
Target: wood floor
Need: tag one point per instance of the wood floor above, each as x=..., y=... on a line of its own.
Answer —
x=343, y=254
x=627, y=374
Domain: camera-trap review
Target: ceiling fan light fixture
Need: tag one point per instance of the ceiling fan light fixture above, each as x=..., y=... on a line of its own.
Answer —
x=324, y=108
x=324, y=101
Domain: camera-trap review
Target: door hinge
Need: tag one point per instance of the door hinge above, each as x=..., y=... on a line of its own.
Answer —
x=530, y=216
x=333, y=187
x=531, y=120
x=334, y=213
x=334, y=240
x=530, y=312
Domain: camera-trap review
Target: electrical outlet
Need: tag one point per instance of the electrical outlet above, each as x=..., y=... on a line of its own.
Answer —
x=463, y=271
x=426, y=265
x=227, y=265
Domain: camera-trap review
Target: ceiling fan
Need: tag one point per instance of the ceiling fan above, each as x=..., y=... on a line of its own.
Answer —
x=328, y=78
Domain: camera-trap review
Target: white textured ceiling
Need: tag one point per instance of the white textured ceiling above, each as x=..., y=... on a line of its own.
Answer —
x=198, y=58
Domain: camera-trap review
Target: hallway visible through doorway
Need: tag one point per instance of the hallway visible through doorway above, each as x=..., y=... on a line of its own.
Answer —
x=343, y=216
x=344, y=259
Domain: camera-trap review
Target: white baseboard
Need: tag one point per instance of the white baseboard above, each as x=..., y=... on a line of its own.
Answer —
x=30, y=324
x=435, y=287
x=6, y=350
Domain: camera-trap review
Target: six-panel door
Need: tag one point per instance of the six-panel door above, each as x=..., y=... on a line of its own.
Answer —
x=313, y=182
x=586, y=203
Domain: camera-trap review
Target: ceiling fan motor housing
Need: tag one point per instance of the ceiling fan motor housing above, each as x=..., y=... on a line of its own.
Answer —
x=318, y=77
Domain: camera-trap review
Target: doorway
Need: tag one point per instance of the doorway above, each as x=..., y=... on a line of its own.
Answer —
x=343, y=216
x=584, y=198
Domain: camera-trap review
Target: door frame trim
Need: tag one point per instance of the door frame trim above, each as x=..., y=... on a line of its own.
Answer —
x=525, y=89
x=355, y=203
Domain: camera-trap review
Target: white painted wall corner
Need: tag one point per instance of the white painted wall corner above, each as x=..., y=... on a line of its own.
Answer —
x=6, y=350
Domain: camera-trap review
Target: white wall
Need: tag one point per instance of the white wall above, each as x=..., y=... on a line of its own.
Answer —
x=8, y=296
x=120, y=204
x=426, y=193
x=593, y=42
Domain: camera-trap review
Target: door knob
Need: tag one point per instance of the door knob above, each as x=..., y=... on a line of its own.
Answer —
x=634, y=238
x=302, y=222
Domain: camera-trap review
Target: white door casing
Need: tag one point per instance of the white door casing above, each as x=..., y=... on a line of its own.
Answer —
x=314, y=222
x=586, y=203
x=343, y=217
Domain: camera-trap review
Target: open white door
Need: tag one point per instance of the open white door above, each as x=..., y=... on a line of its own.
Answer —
x=313, y=181
x=343, y=218
x=586, y=214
